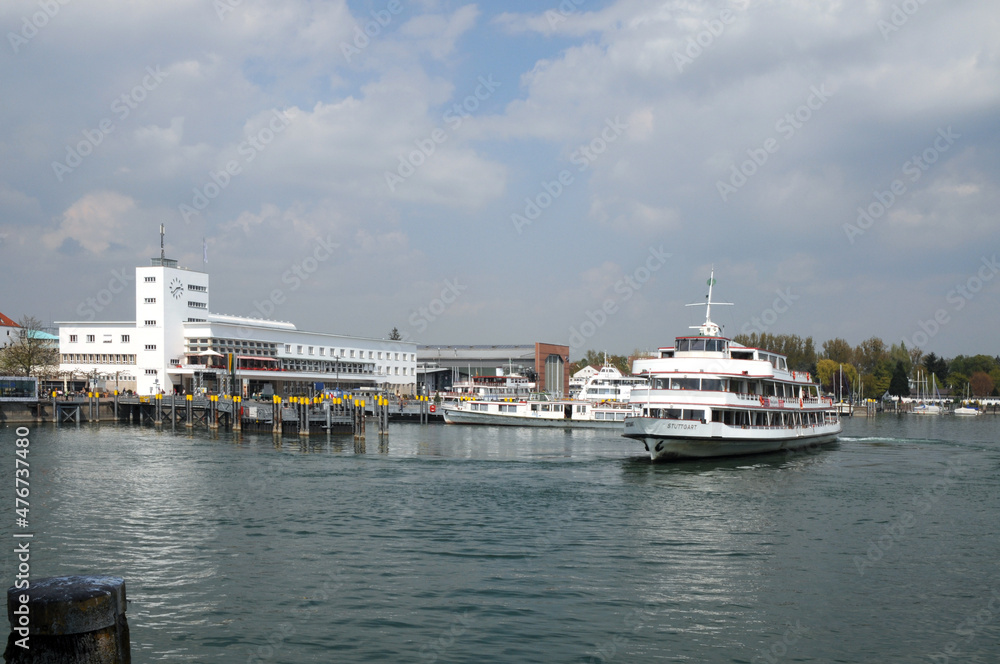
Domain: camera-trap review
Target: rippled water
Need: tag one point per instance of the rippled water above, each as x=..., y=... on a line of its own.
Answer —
x=457, y=544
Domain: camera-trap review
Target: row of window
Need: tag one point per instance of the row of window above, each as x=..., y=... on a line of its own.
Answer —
x=73, y=338
x=92, y=358
x=191, y=287
x=232, y=345
x=763, y=388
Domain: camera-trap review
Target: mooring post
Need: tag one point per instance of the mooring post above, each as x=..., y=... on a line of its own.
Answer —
x=304, y=406
x=68, y=620
x=237, y=413
x=189, y=422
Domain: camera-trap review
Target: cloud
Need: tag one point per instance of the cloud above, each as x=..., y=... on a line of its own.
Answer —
x=95, y=222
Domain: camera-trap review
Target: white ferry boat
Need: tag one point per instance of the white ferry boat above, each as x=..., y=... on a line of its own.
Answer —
x=538, y=411
x=610, y=384
x=602, y=404
x=712, y=397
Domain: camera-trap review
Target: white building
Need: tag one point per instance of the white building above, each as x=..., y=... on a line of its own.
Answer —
x=176, y=344
x=9, y=331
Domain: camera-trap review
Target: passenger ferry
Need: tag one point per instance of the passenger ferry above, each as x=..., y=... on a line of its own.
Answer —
x=539, y=410
x=603, y=404
x=711, y=397
x=609, y=384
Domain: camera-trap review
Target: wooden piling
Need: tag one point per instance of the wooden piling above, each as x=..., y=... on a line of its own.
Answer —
x=68, y=620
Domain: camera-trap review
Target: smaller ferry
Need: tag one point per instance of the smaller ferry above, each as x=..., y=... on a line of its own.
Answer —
x=601, y=404
x=539, y=410
x=709, y=396
x=609, y=384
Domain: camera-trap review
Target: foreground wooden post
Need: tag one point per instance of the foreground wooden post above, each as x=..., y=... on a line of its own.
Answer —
x=70, y=620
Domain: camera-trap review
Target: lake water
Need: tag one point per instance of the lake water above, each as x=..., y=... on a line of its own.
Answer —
x=461, y=544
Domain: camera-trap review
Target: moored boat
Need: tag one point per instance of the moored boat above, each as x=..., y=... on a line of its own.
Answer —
x=709, y=396
x=538, y=411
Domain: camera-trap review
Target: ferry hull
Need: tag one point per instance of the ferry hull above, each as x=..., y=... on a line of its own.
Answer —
x=454, y=416
x=668, y=440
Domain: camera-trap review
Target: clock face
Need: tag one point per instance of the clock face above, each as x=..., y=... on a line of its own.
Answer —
x=176, y=288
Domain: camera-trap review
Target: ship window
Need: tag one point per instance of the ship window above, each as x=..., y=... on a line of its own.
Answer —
x=713, y=384
x=683, y=345
x=697, y=344
x=693, y=415
x=684, y=383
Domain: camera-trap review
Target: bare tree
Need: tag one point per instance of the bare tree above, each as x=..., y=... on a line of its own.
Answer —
x=30, y=354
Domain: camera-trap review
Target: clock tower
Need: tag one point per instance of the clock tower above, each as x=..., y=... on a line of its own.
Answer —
x=166, y=297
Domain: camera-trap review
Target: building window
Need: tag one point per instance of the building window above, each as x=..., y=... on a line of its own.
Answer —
x=125, y=338
x=150, y=323
x=197, y=305
x=310, y=350
x=150, y=280
x=72, y=338
x=150, y=300
x=150, y=346
x=288, y=348
x=199, y=289
x=298, y=349
x=352, y=353
x=150, y=372
x=322, y=351
x=397, y=356
x=90, y=338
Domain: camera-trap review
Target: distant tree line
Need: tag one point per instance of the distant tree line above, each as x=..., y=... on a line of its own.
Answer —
x=871, y=368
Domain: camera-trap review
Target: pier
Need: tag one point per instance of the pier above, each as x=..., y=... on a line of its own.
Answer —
x=300, y=415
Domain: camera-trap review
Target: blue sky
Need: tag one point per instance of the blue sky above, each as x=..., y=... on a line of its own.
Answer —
x=605, y=136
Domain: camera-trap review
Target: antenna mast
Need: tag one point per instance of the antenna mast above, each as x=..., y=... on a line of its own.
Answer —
x=162, y=253
x=708, y=328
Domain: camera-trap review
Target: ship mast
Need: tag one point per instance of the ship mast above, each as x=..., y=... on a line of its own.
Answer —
x=708, y=328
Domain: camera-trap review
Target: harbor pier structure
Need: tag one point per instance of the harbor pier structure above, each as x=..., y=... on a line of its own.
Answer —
x=177, y=345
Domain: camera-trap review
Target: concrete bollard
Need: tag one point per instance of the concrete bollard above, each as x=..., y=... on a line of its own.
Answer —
x=71, y=620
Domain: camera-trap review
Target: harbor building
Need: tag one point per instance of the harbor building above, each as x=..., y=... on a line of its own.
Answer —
x=176, y=344
x=9, y=331
x=546, y=364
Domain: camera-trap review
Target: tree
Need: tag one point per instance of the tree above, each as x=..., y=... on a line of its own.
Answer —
x=595, y=359
x=937, y=366
x=395, y=335
x=839, y=351
x=869, y=353
x=899, y=386
x=800, y=353
x=31, y=354
x=899, y=353
x=981, y=384
x=836, y=378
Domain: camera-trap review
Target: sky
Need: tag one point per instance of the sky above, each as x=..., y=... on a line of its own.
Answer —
x=567, y=172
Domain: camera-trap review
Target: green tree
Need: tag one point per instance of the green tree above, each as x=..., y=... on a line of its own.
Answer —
x=869, y=353
x=899, y=353
x=838, y=350
x=899, y=386
x=837, y=378
x=800, y=353
x=395, y=335
x=937, y=366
